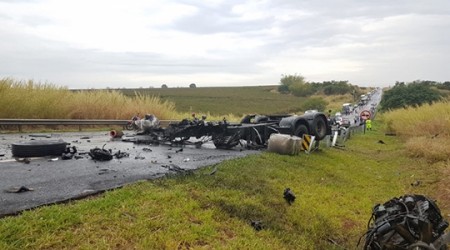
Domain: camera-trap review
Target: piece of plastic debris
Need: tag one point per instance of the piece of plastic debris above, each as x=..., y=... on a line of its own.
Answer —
x=186, y=160
x=21, y=189
x=257, y=225
x=289, y=196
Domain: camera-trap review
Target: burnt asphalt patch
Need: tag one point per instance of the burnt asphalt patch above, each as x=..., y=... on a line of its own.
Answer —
x=54, y=180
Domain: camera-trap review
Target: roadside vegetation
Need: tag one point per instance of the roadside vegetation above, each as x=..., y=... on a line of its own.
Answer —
x=28, y=99
x=413, y=94
x=335, y=188
x=419, y=115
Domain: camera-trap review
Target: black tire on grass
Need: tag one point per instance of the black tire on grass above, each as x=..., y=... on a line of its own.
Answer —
x=38, y=148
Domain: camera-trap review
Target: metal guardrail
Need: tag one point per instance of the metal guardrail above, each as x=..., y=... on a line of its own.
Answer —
x=76, y=122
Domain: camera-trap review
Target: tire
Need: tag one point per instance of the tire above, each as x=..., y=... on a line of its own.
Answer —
x=38, y=148
x=301, y=130
x=319, y=128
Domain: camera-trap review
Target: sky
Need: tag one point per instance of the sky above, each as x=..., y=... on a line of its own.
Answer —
x=137, y=43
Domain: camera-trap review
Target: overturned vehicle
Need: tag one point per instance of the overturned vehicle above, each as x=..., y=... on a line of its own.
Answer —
x=255, y=130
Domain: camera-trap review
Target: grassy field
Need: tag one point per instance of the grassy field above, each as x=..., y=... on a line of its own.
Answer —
x=335, y=188
x=234, y=100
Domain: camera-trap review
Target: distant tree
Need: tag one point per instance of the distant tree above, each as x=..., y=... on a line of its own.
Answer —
x=289, y=80
x=192, y=86
x=296, y=85
x=413, y=94
x=164, y=86
x=444, y=85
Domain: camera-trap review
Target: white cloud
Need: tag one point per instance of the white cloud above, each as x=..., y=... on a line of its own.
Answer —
x=81, y=43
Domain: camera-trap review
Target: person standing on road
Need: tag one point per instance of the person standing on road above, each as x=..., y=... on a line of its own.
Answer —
x=368, y=124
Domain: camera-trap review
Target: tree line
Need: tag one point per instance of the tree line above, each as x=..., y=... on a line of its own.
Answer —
x=413, y=94
x=298, y=86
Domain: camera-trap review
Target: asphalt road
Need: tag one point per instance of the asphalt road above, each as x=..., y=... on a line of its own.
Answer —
x=54, y=180
x=371, y=105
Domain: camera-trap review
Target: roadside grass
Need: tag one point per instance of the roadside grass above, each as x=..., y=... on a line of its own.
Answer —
x=425, y=131
x=46, y=101
x=335, y=188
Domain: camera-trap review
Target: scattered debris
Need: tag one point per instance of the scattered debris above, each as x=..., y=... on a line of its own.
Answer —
x=213, y=172
x=105, y=171
x=186, y=160
x=334, y=243
x=69, y=153
x=21, y=189
x=85, y=137
x=416, y=183
x=24, y=160
x=37, y=135
x=179, y=150
x=147, y=149
x=257, y=225
x=116, y=134
x=120, y=155
x=381, y=142
x=101, y=154
x=289, y=196
x=53, y=159
x=169, y=156
x=174, y=168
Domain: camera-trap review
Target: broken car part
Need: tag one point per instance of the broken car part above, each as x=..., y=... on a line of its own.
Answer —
x=407, y=222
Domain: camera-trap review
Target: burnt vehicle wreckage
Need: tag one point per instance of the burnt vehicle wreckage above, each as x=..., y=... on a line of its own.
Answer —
x=255, y=130
x=408, y=222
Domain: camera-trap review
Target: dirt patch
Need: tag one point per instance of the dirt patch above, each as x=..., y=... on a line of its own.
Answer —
x=348, y=224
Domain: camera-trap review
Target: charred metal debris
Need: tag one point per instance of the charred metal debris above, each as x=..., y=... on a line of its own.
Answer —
x=102, y=154
x=407, y=222
x=252, y=132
